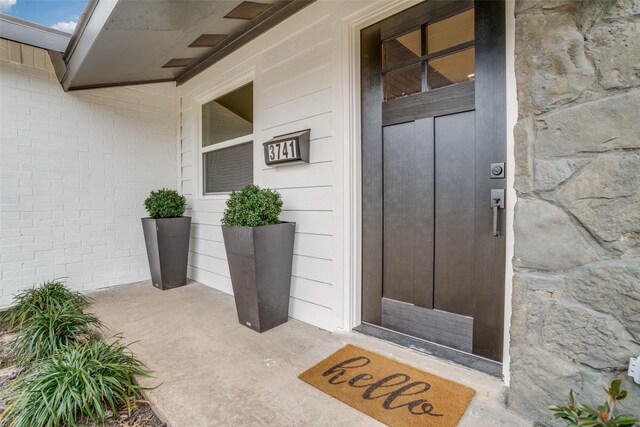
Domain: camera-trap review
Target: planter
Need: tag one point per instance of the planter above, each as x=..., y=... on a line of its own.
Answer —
x=167, y=241
x=260, y=261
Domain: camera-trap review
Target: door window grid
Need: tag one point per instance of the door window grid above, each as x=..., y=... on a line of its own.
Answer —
x=446, y=55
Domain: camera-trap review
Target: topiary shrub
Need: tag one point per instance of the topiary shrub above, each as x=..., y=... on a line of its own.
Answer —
x=75, y=384
x=165, y=203
x=46, y=297
x=253, y=207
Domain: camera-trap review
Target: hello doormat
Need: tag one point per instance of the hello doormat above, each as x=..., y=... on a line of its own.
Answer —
x=389, y=391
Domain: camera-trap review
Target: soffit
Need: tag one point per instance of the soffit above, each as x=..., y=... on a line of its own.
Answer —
x=132, y=41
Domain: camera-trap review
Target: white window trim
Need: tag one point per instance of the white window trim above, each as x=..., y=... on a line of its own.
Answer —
x=208, y=96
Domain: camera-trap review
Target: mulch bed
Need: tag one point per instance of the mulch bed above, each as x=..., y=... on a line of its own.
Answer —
x=142, y=414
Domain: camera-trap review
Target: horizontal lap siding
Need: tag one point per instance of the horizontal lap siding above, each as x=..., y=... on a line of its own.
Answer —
x=292, y=91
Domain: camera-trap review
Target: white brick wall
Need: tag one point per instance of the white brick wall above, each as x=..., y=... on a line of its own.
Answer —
x=74, y=171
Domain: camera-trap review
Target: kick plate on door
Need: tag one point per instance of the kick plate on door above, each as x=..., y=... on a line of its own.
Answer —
x=441, y=327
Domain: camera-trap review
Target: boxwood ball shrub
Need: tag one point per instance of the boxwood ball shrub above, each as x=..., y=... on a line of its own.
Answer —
x=75, y=384
x=253, y=207
x=165, y=203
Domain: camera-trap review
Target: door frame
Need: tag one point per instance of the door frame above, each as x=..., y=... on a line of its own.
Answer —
x=351, y=154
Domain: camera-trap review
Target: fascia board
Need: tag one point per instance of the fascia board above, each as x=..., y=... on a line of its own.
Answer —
x=87, y=39
x=25, y=32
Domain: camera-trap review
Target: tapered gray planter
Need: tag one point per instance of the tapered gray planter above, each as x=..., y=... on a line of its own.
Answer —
x=260, y=261
x=167, y=241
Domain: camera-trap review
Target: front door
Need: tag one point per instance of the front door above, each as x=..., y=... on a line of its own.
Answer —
x=433, y=152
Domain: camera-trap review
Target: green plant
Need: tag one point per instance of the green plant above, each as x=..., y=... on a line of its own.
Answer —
x=48, y=331
x=165, y=203
x=75, y=384
x=253, y=207
x=583, y=415
x=47, y=296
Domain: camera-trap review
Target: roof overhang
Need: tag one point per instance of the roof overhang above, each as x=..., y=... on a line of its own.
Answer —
x=120, y=42
x=25, y=32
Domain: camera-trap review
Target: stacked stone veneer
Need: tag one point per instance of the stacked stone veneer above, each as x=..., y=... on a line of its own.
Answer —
x=576, y=296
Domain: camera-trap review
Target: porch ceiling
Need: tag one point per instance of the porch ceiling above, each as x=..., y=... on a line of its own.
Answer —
x=129, y=41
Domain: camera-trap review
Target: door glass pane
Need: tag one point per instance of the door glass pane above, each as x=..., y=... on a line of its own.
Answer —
x=401, y=49
x=446, y=70
x=450, y=32
x=228, y=169
x=403, y=82
x=228, y=117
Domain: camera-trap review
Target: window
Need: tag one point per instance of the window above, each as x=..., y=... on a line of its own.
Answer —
x=436, y=55
x=227, y=141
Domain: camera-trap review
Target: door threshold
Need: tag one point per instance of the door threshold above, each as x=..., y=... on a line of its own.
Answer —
x=472, y=361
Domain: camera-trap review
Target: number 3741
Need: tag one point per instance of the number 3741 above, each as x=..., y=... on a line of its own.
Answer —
x=282, y=151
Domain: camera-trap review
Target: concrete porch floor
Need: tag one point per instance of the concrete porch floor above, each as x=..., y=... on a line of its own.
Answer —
x=212, y=371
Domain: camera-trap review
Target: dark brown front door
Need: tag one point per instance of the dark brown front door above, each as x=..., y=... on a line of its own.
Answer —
x=433, y=127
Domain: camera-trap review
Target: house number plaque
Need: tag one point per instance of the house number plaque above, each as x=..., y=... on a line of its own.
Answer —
x=289, y=148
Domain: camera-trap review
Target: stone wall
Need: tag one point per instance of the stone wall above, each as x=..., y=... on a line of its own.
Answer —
x=576, y=301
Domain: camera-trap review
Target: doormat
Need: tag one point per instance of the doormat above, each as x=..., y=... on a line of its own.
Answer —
x=389, y=391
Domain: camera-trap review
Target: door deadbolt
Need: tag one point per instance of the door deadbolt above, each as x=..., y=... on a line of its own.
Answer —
x=497, y=170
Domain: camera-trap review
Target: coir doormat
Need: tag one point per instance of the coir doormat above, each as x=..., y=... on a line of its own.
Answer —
x=389, y=391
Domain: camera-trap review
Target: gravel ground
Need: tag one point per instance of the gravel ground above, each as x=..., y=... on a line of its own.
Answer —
x=8, y=371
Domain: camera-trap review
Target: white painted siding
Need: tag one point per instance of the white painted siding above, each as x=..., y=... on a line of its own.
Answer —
x=294, y=68
x=75, y=169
